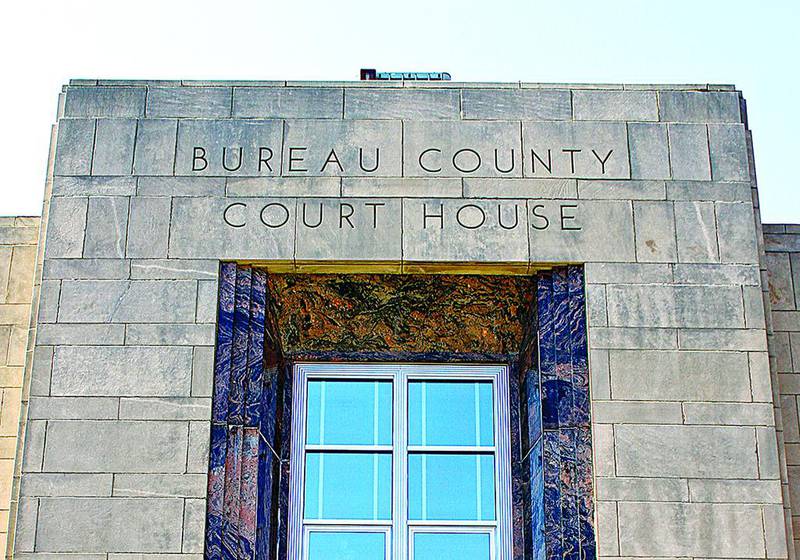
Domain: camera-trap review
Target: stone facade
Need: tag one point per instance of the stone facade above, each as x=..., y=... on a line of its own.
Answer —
x=18, y=249
x=651, y=188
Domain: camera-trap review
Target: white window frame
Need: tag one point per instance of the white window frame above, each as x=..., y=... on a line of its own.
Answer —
x=399, y=529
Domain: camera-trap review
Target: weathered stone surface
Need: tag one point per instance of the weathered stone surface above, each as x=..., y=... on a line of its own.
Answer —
x=285, y=186
x=170, y=334
x=602, y=150
x=129, y=525
x=65, y=231
x=353, y=148
x=476, y=230
x=649, y=151
x=105, y=102
x=427, y=104
x=735, y=491
x=84, y=269
x=737, y=244
x=655, y=232
x=166, y=485
x=732, y=414
x=622, y=190
x=89, y=186
x=643, y=489
x=74, y=148
x=106, y=227
x=694, y=106
x=686, y=451
x=703, y=190
x=397, y=187
x=456, y=149
x=287, y=103
x=690, y=530
x=679, y=376
x=118, y=446
x=209, y=102
x=728, y=145
x=516, y=104
x=262, y=228
x=519, y=188
x=696, y=229
x=113, y=151
x=228, y=147
x=116, y=371
x=80, y=334
x=164, y=408
x=580, y=231
x=357, y=230
x=136, y=301
x=181, y=186
x=85, y=485
x=148, y=229
x=688, y=150
x=605, y=105
x=155, y=147
x=73, y=408
x=614, y=412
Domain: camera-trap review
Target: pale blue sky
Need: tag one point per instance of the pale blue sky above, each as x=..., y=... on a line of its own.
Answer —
x=748, y=43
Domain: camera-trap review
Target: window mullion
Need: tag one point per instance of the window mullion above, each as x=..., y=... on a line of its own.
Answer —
x=400, y=460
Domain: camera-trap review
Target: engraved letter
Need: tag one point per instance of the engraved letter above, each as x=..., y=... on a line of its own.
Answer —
x=293, y=160
x=497, y=163
x=603, y=160
x=543, y=217
x=226, y=218
x=571, y=153
x=361, y=160
x=468, y=151
x=319, y=222
x=548, y=165
x=565, y=217
x=199, y=155
x=425, y=216
x=225, y=160
x=332, y=158
x=500, y=217
x=429, y=169
x=264, y=155
x=374, y=212
x=278, y=223
x=478, y=224
x=343, y=216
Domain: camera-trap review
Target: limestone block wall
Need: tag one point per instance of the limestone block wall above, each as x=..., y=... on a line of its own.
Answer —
x=18, y=249
x=782, y=244
x=153, y=183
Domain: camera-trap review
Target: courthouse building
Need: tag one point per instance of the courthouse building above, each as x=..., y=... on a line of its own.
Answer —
x=390, y=320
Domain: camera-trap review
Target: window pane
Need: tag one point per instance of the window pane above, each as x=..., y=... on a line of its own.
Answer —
x=450, y=487
x=450, y=413
x=349, y=413
x=451, y=546
x=324, y=545
x=348, y=486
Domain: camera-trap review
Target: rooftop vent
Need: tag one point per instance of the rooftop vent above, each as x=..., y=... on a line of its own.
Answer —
x=372, y=74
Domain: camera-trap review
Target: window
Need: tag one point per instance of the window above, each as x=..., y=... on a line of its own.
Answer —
x=400, y=462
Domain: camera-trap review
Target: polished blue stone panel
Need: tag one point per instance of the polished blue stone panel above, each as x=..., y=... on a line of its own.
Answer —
x=255, y=356
x=569, y=495
x=233, y=479
x=241, y=337
x=248, y=494
x=585, y=492
x=222, y=356
x=563, y=343
x=580, y=409
x=551, y=460
x=216, y=491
